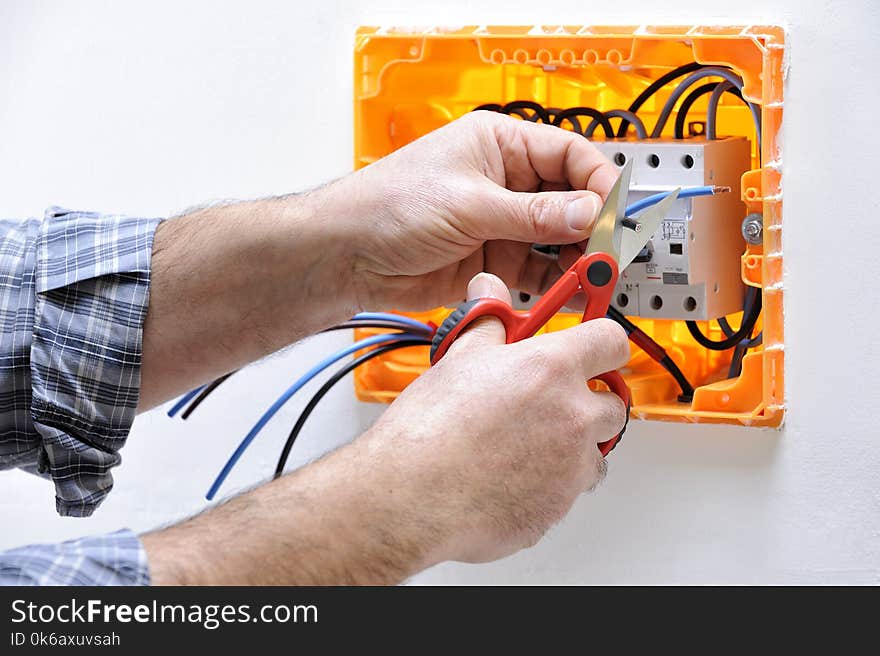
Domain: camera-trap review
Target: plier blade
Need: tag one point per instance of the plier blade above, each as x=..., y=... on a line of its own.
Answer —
x=648, y=221
x=606, y=233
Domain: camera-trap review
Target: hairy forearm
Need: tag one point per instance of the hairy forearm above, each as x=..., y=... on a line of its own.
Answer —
x=346, y=519
x=235, y=282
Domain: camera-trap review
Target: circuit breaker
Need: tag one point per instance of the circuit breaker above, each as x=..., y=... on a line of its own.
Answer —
x=690, y=269
x=714, y=262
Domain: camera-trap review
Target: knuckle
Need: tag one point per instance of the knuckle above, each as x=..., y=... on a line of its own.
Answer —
x=481, y=117
x=612, y=338
x=536, y=355
x=477, y=118
x=539, y=208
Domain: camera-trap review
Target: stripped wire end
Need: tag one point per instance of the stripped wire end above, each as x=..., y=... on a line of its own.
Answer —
x=717, y=189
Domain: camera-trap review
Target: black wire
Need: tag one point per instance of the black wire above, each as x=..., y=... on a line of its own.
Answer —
x=539, y=110
x=687, y=390
x=653, y=88
x=691, y=98
x=750, y=317
x=520, y=108
x=522, y=113
x=377, y=324
x=686, y=105
x=326, y=387
x=214, y=384
x=566, y=114
x=205, y=393
x=736, y=362
x=576, y=124
x=728, y=330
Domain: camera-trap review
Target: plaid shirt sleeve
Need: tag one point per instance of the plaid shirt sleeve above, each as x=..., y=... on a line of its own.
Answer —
x=74, y=289
x=113, y=559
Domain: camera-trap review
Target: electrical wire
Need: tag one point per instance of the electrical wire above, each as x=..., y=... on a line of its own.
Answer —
x=205, y=393
x=711, y=71
x=327, y=386
x=712, y=112
x=656, y=352
x=522, y=113
x=726, y=328
x=595, y=114
x=390, y=325
x=740, y=350
x=750, y=317
x=736, y=360
x=688, y=102
x=289, y=392
x=575, y=123
x=686, y=192
x=653, y=88
x=684, y=85
x=624, y=115
x=183, y=400
x=690, y=99
x=712, y=108
x=539, y=111
x=388, y=316
x=556, y=116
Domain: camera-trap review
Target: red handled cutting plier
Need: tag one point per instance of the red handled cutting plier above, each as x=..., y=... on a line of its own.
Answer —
x=614, y=243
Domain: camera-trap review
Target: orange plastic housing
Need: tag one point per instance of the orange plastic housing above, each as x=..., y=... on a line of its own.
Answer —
x=409, y=82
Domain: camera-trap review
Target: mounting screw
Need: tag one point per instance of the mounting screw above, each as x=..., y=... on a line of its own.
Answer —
x=753, y=228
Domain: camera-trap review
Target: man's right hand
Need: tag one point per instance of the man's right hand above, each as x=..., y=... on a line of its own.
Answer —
x=504, y=436
x=475, y=460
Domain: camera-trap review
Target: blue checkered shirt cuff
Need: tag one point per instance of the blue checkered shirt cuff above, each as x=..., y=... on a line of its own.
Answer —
x=113, y=559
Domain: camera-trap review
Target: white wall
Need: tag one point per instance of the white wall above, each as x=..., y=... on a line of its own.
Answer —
x=153, y=107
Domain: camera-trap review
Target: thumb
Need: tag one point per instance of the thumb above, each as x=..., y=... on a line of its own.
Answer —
x=486, y=330
x=546, y=217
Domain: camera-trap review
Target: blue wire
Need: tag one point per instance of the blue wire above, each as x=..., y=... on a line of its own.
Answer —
x=405, y=322
x=687, y=192
x=186, y=398
x=293, y=389
x=387, y=316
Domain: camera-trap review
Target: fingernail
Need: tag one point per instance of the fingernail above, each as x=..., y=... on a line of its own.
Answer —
x=581, y=213
x=480, y=286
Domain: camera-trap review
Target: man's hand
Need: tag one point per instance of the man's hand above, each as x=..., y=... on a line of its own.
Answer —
x=474, y=461
x=472, y=196
x=232, y=283
x=503, y=437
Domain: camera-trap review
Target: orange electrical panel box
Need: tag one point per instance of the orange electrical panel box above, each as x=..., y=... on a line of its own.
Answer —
x=409, y=82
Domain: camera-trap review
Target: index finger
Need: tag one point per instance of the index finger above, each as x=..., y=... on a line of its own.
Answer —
x=592, y=348
x=534, y=153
